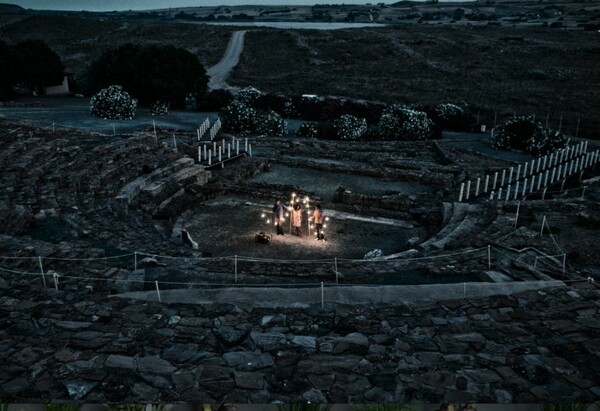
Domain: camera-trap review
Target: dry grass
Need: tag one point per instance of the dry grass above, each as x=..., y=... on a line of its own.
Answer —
x=79, y=40
x=524, y=71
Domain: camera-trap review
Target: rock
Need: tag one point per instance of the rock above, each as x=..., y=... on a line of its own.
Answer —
x=155, y=365
x=183, y=380
x=229, y=335
x=481, y=376
x=314, y=396
x=378, y=396
x=267, y=340
x=87, y=335
x=144, y=392
x=321, y=382
x=304, y=341
x=248, y=361
x=249, y=380
x=186, y=239
x=376, y=253
x=271, y=320
x=150, y=262
x=78, y=389
x=120, y=362
x=15, y=386
x=503, y=397
x=174, y=320
x=72, y=325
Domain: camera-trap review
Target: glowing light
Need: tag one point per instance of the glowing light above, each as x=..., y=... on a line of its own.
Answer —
x=287, y=214
x=263, y=215
x=275, y=223
x=293, y=194
x=268, y=221
x=324, y=225
x=312, y=226
x=326, y=218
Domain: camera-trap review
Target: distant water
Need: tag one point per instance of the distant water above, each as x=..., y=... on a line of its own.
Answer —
x=294, y=25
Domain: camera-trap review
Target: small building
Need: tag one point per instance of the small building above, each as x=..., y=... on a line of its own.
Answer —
x=60, y=89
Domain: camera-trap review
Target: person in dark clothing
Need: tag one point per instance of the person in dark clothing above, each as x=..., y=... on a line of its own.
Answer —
x=279, y=216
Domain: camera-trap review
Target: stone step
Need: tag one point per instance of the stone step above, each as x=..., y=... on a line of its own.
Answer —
x=459, y=211
x=467, y=228
x=168, y=185
x=131, y=190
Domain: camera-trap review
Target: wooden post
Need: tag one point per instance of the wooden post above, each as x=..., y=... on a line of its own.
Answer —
x=583, y=192
x=495, y=180
x=209, y=157
x=477, y=186
x=543, y=223
x=500, y=193
x=503, y=175
x=510, y=176
x=518, y=172
x=544, y=193
x=489, y=257
x=516, y=190
x=525, y=170
x=42, y=271
x=507, y=194
x=158, y=291
x=468, y=189
x=517, y=213
x=487, y=180
x=55, y=278
x=546, y=178
x=533, y=183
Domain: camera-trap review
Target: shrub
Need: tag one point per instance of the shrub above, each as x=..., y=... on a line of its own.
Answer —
x=524, y=133
x=348, y=127
x=113, y=103
x=269, y=124
x=159, y=109
x=400, y=122
x=451, y=117
x=237, y=117
x=308, y=129
x=249, y=96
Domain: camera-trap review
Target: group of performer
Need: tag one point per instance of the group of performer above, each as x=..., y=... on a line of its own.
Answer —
x=317, y=216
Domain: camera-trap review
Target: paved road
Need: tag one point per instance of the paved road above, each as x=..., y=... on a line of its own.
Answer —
x=220, y=71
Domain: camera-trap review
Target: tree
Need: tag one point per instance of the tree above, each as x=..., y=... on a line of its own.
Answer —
x=150, y=73
x=38, y=66
x=6, y=71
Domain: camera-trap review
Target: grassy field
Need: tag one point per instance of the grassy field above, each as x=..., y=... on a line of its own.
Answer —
x=493, y=70
x=488, y=68
x=79, y=40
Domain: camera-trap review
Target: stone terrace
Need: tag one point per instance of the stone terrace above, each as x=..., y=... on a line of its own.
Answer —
x=534, y=346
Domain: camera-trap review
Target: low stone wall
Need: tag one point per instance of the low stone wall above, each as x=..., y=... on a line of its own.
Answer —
x=534, y=346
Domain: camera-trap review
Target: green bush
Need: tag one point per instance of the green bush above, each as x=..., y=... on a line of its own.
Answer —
x=400, y=122
x=524, y=133
x=307, y=129
x=113, y=103
x=159, y=109
x=237, y=118
x=348, y=127
x=269, y=124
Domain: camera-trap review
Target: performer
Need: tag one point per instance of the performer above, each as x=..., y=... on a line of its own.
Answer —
x=319, y=217
x=297, y=219
x=279, y=216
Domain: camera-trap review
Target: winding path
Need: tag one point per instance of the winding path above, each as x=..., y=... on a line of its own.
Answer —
x=220, y=71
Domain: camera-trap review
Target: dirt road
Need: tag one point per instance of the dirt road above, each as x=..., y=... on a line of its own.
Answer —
x=220, y=71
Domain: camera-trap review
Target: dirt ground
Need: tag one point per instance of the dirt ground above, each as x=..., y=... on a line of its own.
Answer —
x=227, y=227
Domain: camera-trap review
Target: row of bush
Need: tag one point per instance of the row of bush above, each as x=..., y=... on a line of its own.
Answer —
x=526, y=134
x=446, y=116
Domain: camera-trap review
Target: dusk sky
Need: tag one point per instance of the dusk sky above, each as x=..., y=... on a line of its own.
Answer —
x=109, y=5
